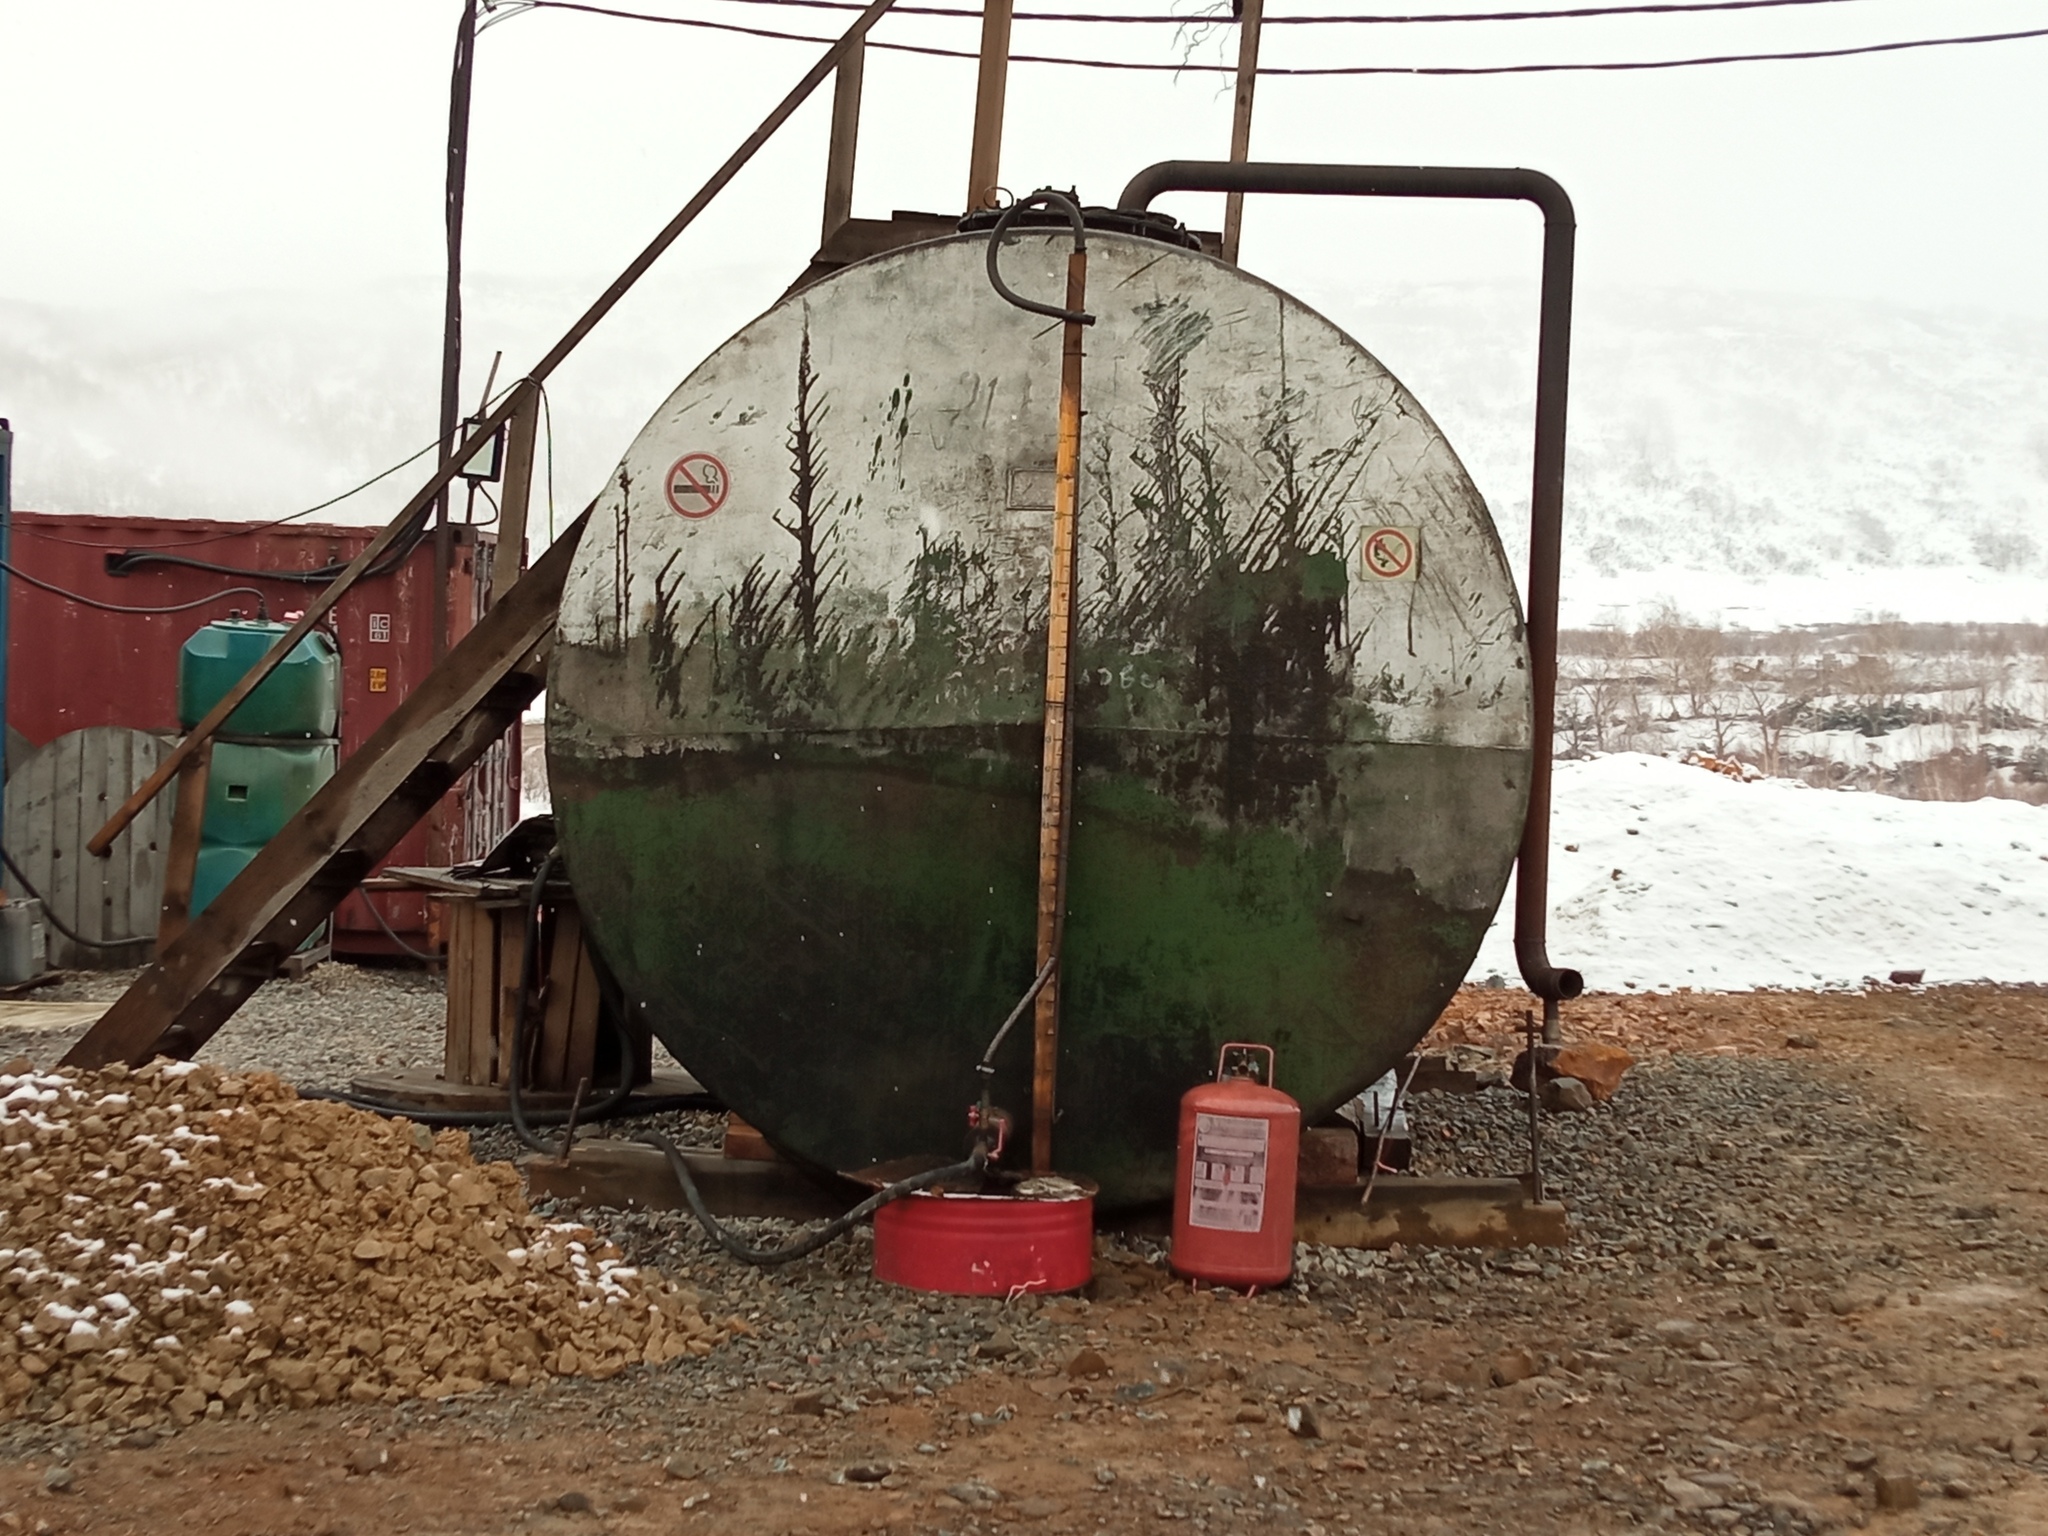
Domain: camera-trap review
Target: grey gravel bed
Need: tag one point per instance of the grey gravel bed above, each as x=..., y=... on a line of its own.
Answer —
x=341, y=1021
x=1707, y=1168
x=1733, y=1219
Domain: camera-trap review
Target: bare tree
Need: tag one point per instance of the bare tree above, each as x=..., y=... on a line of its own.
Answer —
x=1772, y=707
x=1685, y=657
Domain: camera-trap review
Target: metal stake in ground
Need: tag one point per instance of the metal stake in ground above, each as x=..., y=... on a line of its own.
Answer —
x=1535, y=1120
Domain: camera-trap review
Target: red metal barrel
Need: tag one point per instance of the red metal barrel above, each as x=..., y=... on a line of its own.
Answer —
x=1233, y=1191
x=988, y=1245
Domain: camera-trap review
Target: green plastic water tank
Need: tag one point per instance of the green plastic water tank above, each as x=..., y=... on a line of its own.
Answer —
x=302, y=698
x=274, y=752
x=252, y=791
x=218, y=864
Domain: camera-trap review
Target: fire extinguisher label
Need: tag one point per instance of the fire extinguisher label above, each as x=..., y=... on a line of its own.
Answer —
x=1228, y=1190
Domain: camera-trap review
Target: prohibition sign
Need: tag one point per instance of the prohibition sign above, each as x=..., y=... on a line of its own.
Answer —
x=1389, y=553
x=697, y=484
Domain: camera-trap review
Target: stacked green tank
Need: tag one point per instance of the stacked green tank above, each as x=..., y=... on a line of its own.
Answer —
x=274, y=751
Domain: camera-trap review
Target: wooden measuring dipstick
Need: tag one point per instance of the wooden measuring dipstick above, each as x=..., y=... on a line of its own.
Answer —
x=1056, y=781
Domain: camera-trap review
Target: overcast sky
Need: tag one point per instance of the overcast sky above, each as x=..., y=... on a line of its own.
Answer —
x=227, y=144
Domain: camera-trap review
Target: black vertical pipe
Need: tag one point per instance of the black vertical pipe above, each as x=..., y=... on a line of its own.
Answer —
x=451, y=319
x=1546, y=503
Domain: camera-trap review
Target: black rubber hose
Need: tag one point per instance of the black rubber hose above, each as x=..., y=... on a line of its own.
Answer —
x=1045, y=197
x=420, y=955
x=522, y=1124
x=59, y=924
x=812, y=1241
x=667, y=1104
x=973, y=1167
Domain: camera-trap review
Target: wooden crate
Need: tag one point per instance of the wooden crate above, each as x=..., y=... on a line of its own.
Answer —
x=486, y=952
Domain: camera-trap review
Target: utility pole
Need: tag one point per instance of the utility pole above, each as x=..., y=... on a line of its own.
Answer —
x=451, y=322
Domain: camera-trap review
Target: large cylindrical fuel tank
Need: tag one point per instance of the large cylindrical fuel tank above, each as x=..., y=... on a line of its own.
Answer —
x=794, y=711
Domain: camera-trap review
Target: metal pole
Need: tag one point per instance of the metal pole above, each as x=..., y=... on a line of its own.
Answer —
x=1546, y=503
x=984, y=160
x=451, y=317
x=845, y=139
x=1251, y=14
x=1056, y=784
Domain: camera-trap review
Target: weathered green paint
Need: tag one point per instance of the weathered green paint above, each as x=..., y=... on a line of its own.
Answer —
x=827, y=932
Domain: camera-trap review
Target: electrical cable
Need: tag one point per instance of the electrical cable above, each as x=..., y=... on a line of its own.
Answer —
x=1433, y=70
x=547, y=416
x=57, y=922
x=1574, y=13
x=238, y=533
x=93, y=602
x=130, y=558
x=497, y=514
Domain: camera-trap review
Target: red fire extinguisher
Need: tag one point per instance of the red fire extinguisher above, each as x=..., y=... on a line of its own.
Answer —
x=1233, y=1194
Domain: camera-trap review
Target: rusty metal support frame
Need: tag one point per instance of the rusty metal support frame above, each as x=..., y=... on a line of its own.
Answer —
x=411, y=517
x=344, y=831
x=1553, y=984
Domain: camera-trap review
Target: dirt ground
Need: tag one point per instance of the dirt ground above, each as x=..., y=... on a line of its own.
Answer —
x=1809, y=1260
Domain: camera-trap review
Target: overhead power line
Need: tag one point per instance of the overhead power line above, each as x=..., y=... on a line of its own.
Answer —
x=1572, y=13
x=1153, y=67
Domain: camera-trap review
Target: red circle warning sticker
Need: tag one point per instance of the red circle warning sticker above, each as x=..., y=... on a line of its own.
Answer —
x=697, y=484
x=1389, y=553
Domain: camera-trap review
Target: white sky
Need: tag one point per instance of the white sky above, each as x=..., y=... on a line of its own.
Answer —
x=229, y=144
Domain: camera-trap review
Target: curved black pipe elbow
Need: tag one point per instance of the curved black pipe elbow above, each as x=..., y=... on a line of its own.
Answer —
x=1546, y=503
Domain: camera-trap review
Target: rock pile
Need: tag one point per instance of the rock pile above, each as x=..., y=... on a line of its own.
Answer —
x=175, y=1243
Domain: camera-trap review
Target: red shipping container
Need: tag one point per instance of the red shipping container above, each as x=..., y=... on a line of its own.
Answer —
x=72, y=666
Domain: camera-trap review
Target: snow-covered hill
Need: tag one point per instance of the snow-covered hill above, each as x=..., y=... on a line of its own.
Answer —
x=1760, y=460
x=1757, y=459
x=1665, y=875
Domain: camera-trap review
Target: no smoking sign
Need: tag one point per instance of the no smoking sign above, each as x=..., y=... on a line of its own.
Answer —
x=1390, y=554
x=697, y=484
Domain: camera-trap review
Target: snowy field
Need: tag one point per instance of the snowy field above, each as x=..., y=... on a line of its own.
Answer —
x=1665, y=875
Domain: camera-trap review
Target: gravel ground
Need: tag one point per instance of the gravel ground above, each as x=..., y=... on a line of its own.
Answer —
x=341, y=1021
x=1790, y=1278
